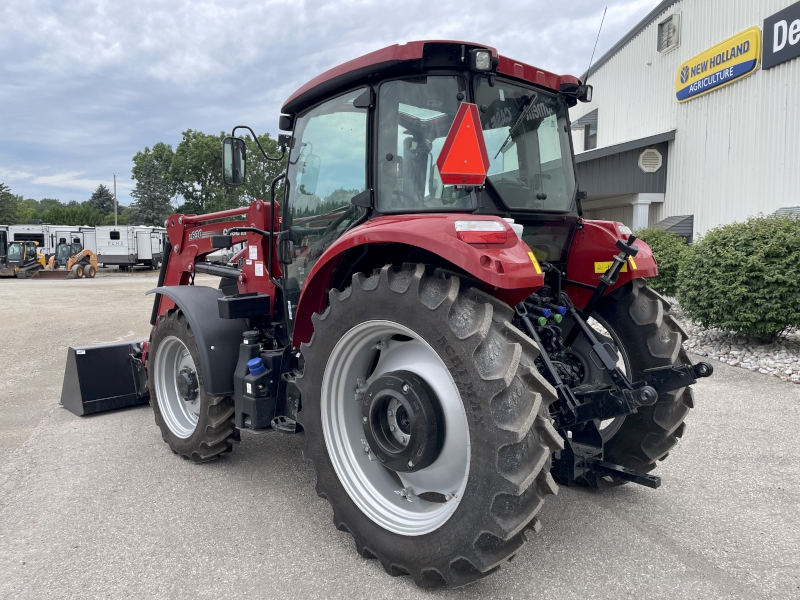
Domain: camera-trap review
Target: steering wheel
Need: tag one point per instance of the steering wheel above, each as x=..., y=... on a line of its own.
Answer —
x=411, y=197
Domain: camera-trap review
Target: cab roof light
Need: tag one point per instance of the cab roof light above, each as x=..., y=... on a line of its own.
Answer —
x=480, y=60
x=481, y=232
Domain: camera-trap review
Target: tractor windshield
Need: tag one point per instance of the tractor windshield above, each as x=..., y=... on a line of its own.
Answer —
x=15, y=252
x=415, y=115
x=533, y=170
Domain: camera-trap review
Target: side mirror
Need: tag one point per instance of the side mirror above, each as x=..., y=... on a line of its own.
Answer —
x=309, y=175
x=233, y=160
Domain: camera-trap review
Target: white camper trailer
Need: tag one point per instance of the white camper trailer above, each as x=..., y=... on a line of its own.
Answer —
x=130, y=245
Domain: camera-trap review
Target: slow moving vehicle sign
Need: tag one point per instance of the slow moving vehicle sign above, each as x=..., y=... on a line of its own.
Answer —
x=720, y=65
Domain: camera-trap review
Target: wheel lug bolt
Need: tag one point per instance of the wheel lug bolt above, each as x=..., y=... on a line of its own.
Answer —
x=403, y=439
x=391, y=413
x=393, y=428
x=364, y=419
x=411, y=463
x=405, y=387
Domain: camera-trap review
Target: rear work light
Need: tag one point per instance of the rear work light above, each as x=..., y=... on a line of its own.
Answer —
x=481, y=232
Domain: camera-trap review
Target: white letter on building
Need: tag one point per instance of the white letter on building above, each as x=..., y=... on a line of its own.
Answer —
x=780, y=31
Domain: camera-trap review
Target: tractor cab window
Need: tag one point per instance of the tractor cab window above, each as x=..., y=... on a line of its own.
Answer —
x=30, y=251
x=532, y=169
x=15, y=252
x=414, y=116
x=327, y=167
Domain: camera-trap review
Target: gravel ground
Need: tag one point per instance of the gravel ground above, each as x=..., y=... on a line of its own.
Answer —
x=780, y=358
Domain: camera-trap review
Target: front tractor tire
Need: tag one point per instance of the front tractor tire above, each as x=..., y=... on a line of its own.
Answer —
x=427, y=424
x=196, y=426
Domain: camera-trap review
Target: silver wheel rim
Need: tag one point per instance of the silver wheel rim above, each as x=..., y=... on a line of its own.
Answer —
x=392, y=499
x=180, y=415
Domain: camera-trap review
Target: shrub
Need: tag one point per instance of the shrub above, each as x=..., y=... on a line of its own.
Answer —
x=668, y=249
x=744, y=277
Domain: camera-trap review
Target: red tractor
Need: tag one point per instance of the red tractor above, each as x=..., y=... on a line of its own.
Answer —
x=426, y=304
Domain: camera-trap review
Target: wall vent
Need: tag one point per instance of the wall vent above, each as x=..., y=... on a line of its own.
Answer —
x=669, y=33
x=650, y=160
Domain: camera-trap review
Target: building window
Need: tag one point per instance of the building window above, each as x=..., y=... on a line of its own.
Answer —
x=669, y=33
x=114, y=235
x=590, y=136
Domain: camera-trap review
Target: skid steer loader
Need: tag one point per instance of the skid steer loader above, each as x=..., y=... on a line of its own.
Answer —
x=70, y=261
x=422, y=298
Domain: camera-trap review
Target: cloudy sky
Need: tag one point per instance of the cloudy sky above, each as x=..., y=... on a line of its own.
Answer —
x=85, y=84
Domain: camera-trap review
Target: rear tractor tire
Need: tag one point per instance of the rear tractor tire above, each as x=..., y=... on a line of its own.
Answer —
x=89, y=271
x=196, y=426
x=647, y=337
x=427, y=424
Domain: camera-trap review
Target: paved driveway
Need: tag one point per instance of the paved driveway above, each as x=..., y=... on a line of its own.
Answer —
x=99, y=507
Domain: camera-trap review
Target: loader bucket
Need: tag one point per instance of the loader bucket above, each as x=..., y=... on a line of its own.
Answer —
x=54, y=274
x=104, y=377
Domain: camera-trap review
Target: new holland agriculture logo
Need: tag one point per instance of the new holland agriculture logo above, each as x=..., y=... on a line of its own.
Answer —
x=725, y=63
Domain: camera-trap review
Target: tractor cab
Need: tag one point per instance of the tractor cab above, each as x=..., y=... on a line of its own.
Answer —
x=368, y=138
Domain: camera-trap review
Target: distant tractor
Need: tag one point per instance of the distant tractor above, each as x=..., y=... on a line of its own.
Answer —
x=426, y=304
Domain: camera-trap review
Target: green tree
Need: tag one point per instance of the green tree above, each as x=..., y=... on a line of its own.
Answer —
x=197, y=174
x=27, y=209
x=162, y=154
x=259, y=171
x=8, y=206
x=152, y=203
x=102, y=200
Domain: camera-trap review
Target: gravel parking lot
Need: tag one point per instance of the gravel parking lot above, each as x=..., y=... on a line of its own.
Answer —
x=99, y=507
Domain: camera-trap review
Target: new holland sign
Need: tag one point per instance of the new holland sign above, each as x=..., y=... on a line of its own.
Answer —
x=725, y=63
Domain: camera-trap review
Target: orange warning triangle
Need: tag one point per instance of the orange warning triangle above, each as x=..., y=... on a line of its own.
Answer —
x=464, y=159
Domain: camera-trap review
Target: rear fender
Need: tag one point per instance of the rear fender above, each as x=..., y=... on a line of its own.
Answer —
x=592, y=249
x=217, y=339
x=507, y=270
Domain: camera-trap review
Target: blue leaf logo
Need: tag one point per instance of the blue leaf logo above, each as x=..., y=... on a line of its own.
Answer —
x=684, y=74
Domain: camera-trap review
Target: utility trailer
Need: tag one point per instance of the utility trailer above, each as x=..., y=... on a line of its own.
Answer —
x=449, y=368
x=127, y=246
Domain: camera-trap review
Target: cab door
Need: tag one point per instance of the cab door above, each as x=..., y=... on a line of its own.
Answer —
x=327, y=168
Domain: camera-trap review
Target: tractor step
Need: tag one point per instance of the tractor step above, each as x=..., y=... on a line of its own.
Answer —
x=602, y=467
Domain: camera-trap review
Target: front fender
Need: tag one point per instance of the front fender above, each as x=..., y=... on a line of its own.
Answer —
x=592, y=249
x=508, y=270
x=217, y=339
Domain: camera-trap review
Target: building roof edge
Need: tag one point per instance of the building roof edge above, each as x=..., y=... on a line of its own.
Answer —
x=662, y=6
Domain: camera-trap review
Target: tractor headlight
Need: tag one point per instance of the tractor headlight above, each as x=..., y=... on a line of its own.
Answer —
x=480, y=60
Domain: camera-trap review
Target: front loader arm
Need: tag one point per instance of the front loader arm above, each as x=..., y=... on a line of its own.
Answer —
x=190, y=242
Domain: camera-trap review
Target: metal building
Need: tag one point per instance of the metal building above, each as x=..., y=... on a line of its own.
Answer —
x=695, y=120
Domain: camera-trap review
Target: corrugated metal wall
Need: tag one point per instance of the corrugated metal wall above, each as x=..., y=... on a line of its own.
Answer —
x=737, y=150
